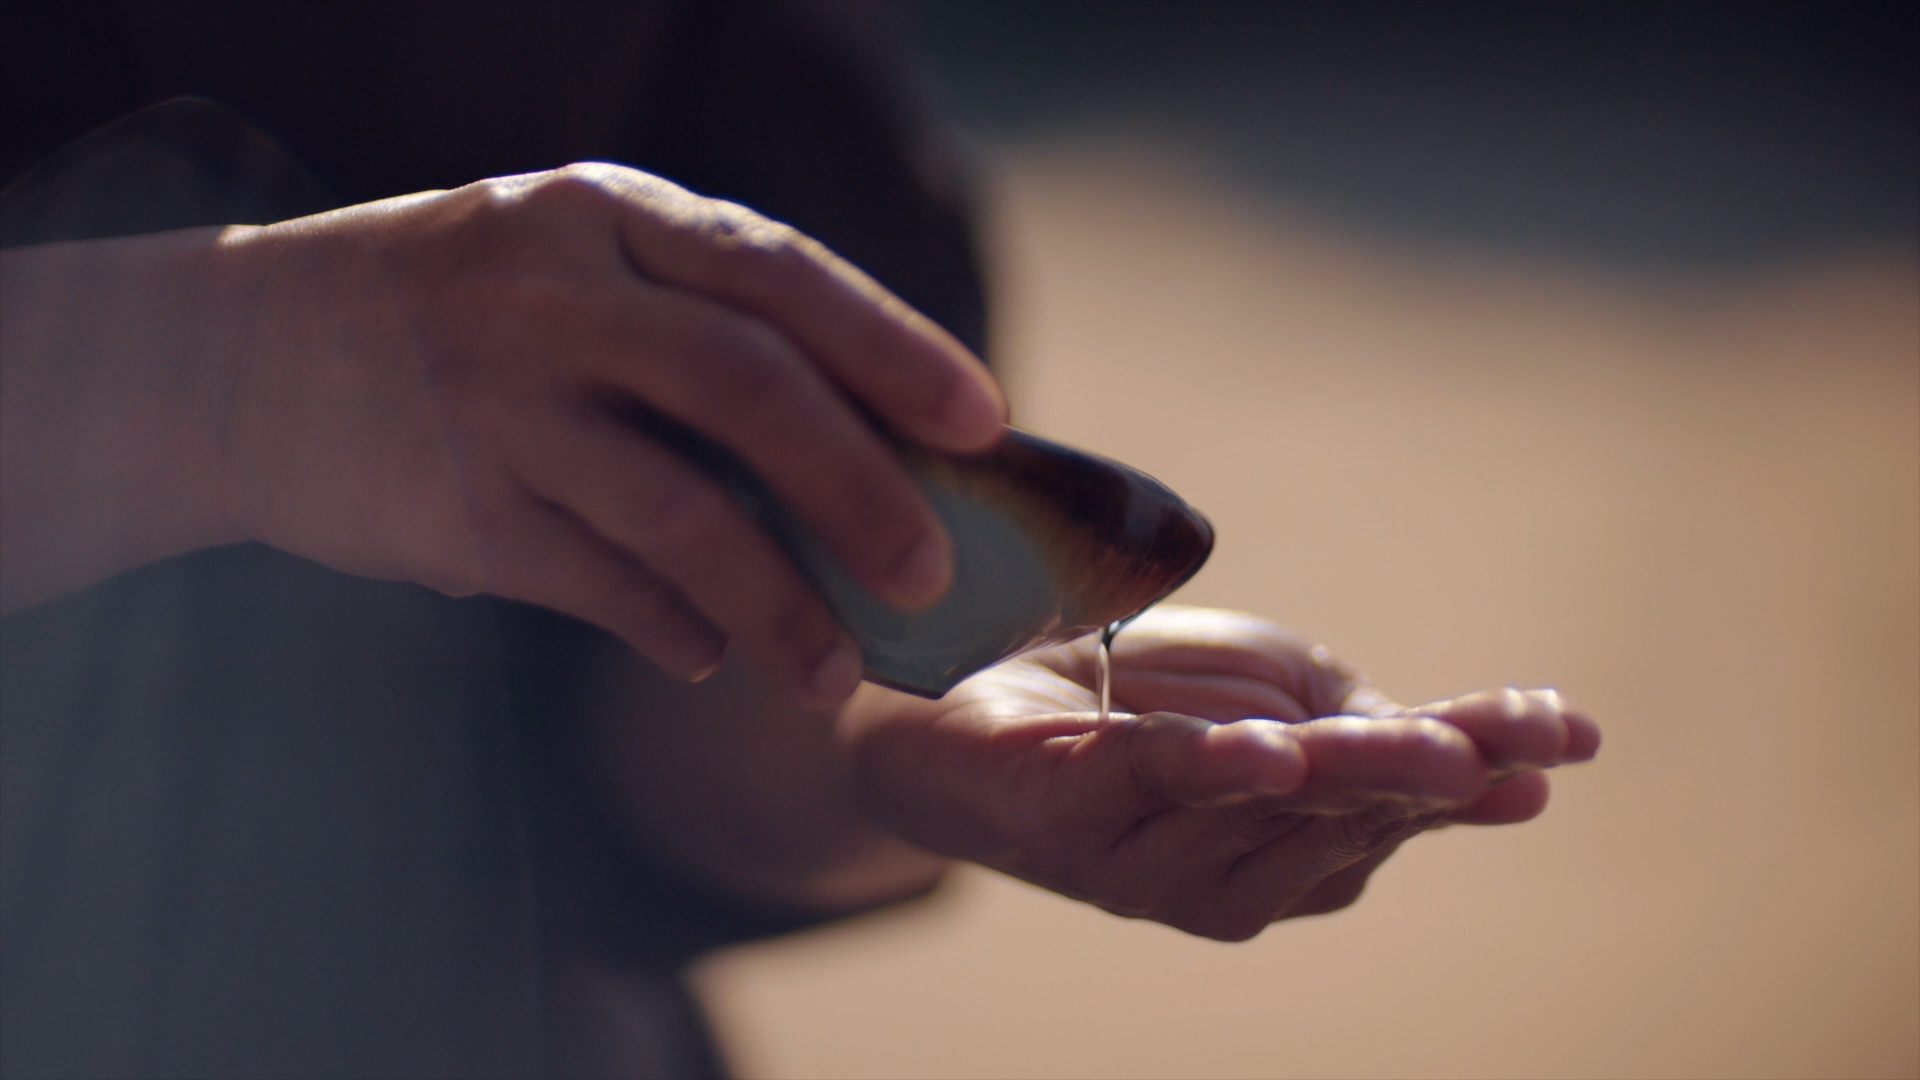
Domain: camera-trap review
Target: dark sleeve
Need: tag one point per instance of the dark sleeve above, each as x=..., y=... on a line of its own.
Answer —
x=803, y=110
x=260, y=817
x=606, y=893
x=65, y=69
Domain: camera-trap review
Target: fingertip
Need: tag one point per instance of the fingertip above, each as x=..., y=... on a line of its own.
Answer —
x=974, y=416
x=701, y=674
x=1512, y=728
x=692, y=658
x=970, y=412
x=1583, y=737
x=975, y=407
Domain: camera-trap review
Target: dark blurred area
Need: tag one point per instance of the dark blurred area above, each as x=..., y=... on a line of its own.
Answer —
x=1569, y=344
x=1651, y=137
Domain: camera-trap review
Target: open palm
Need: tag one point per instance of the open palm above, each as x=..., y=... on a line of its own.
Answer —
x=1245, y=775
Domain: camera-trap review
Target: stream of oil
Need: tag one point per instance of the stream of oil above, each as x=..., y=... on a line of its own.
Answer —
x=1105, y=663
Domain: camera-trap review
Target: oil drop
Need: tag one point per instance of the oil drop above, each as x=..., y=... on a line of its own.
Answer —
x=1105, y=664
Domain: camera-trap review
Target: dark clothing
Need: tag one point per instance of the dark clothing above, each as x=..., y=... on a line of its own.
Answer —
x=258, y=818
x=794, y=109
x=265, y=819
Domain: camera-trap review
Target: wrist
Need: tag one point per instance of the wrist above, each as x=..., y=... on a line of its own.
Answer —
x=109, y=447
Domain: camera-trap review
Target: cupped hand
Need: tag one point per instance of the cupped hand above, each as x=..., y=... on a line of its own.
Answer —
x=440, y=389
x=1245, y=776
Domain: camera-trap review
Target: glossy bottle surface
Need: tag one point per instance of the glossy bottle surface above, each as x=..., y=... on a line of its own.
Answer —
x=1050, y=543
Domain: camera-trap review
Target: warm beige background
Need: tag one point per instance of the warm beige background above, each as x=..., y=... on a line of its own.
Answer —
x=1693, y=505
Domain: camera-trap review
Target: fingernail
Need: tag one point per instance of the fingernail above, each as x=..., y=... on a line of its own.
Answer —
x=837, y=675
x=923, y=575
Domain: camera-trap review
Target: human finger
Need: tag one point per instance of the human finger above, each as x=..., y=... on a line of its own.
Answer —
x=737, y=382
x=1222, y=699
x=1353, y=761
x=1190, y=762
x=1513, y=728
x=1368, y=782
x=1519, y=799
x=1179, y=639
x=682, y=524
x=547, y=556
x=1583, y=737
x=914, y=375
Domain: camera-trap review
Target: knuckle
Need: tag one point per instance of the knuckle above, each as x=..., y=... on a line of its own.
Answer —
x=573, y=188
x=734, y=228
x=749, y=250
x=517, y=220
x=1514, y=705
x=1541, y=712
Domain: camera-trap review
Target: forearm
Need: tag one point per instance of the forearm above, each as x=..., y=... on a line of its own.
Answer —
x=108, y=443
x=746, y=790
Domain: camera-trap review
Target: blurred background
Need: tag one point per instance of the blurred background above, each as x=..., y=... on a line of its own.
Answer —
x=1546, y=344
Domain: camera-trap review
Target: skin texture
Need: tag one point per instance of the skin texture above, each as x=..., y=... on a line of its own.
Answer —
x=436, y=389
x=1179, y=809
x=432, y=389
x=1257, y=778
